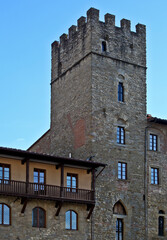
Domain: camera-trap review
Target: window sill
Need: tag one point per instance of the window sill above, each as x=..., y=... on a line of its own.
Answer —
x=155, y=185
x=123, y=180
x=124, y=103
x=121, y=145
x=5, y=225
x=153, y=151
x=73, y=230
x=39, y=227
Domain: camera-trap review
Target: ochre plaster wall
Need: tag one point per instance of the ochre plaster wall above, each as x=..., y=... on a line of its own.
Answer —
x=84, y=179
x=18, y=170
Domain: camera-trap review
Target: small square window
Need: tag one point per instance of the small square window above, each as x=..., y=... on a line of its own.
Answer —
x=122, y=170
x=120, y=135
x=153, y=142
x=155, y=176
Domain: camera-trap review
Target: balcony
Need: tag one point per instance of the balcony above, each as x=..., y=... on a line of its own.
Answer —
x=46, y=192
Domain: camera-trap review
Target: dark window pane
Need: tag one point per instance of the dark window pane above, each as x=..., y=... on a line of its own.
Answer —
x=119, y=229
x=34, y=217
x=104, y=46
x=120, y=92
x=161, y=226
x=38, y=217
x=41, y=217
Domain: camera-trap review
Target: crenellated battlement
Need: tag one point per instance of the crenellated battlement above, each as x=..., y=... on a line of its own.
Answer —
x=87, y=36
x=93, y=16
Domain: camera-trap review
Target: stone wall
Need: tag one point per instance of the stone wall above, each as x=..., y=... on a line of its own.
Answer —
x=21, y=223
x=131, y=114
x=85, y=106
x=85, y=113
x=157, y=192
x=42, y=145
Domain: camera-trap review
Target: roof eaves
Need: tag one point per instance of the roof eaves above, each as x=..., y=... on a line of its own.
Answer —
x=45, y=157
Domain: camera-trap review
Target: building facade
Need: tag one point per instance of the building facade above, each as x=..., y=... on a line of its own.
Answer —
x=98, y=114
x=45, y=197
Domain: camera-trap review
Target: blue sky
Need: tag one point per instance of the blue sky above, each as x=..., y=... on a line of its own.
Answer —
x=28, y=27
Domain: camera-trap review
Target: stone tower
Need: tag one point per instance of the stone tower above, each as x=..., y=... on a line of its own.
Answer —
x=98, y=108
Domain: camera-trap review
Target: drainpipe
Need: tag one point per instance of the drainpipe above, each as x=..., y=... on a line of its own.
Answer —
x=146, y=183
x=92, y=227
x=93, y=188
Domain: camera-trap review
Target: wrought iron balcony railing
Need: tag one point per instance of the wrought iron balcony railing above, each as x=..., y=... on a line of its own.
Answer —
x=44, y=191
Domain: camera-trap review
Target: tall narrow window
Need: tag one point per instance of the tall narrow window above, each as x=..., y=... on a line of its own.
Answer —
x=38, y=217
x=155, y=176
x=71, y=220
x=120, y=135
x=119, y=229
x=153, y=142
x=120, y=92
x=59, y=68
x=104, y=47
x=72, y=182
x=122, y=170
x=4, y=173
x=39, y=180
x=4, y=214
x=161, y=226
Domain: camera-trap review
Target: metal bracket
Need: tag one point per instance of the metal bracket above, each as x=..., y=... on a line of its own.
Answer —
x=58, y=206
x=24, y=160
x=24, y=202
x=90, y=211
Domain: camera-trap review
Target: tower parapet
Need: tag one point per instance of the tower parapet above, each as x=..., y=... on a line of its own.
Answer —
x=122, y=44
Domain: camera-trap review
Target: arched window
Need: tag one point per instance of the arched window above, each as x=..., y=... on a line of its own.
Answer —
x=38, y=217
x=119, y=209
x=161, y=226
x=120, y=92
x=161, y=212
x=71, y=220
x=4, y=214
